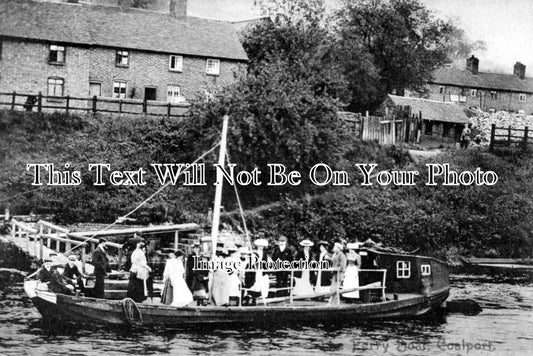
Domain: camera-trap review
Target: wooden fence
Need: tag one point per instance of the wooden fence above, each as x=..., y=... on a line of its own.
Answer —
x=95, y=104
x=509, y=137
x=393, y=128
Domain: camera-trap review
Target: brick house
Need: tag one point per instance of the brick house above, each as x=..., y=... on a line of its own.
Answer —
x=81, y=49
x=487, y=91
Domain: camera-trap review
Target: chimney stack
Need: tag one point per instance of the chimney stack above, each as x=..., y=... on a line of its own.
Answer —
x=178, y=8
x=472, y=64
x=519, y=70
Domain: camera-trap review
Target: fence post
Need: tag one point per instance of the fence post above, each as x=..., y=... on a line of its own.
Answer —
x=509, y=136
x=120, y=107
x=95, y=99
x=525, y=137
x=40, y=102
x=145, y=104
x=68, y=101
x=41, y=242
x=168, y=110
x=13, y=100
x=492, y=134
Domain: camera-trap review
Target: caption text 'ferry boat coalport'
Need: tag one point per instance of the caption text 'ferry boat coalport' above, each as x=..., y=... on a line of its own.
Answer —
x=391, y=284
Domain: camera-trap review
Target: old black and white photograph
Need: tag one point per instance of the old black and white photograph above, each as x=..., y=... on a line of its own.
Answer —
x=266, y=177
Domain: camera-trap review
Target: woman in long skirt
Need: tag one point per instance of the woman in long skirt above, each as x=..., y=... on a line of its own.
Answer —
x=303, y=280
x=351, y=276
x=323, y=279
x=174, y=272
x=139, y=273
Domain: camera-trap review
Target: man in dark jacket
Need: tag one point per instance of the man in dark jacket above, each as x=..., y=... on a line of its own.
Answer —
x=101, y=265
x=57, y=282
x=189, y=269
x=282, y=253
x=45, y=272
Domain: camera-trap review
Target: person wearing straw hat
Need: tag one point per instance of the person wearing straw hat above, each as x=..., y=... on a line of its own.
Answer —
x=338, y=262
x=57, y=282
x=234, y=280
x=351, y=277
x=323, y=278
x=174, y=272
x=101, y=265
x=261, y=283
x=305, y=279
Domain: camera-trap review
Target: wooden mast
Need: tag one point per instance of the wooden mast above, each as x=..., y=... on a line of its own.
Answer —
x=218, y=192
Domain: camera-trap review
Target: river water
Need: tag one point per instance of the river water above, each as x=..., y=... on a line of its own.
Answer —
x=504, y=327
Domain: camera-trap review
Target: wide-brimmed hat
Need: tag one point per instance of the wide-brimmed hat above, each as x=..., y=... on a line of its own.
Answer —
x=231, y=247
x=282, y=239
x=48, y=259
x=353, y=245
x=306, y=243
x=323, y=243
x=72, y=258
x=58, y=265
x=196, y=244
x=261, y=242
x=244, y=251
x=338, y=245
x=102, y=240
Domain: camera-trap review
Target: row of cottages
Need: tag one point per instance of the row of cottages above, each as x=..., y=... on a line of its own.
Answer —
x=85, y=49
x=487, y=91
x=441, y=121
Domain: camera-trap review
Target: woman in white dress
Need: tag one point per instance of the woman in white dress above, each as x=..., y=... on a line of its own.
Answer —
x=351, y=275
x=174, y=272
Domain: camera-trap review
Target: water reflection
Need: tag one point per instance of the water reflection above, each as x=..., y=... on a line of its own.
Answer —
x=504, y=323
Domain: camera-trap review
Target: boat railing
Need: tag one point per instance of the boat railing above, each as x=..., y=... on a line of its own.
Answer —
x=336, y=290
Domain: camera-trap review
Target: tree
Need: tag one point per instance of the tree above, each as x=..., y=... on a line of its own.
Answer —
x=401, y=39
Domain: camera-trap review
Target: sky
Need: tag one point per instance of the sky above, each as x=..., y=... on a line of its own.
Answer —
x=506, y=26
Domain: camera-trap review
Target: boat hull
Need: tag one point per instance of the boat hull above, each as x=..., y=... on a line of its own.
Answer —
x=101, y=311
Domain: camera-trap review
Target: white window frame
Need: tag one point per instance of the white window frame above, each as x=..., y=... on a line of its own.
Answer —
x=55, y=83
x=60, y=55
x=425, y=270
x=120, y=84
x=473, y=93
x=403, y=269
x=212, y=66
x=124, y=58
x=493, y=95
x=178, y=63
x=522, y=97
x=173, y=99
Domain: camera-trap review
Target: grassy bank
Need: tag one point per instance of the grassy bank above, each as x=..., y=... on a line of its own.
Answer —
x=443, y=220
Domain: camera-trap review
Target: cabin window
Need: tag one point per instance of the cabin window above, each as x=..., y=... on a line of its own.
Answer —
x=441, y=90
x=175, y=63
x=493, y=95
x=426, y=270
x=473, y=93
x=522, y=97
x=57, y=54
x=213, y=67
x=122, y=58
x=403, y=269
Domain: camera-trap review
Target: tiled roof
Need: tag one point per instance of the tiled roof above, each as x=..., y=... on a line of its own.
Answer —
x=464, y=78
x=96, y=25
x=430, y=109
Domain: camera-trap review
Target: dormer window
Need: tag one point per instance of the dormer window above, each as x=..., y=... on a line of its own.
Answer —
x=213, y=67
x=57, y=54
x=521, y=97
x=122, y=58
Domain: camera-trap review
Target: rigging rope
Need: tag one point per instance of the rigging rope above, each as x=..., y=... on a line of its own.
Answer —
x=147, y=199
x=248, y=241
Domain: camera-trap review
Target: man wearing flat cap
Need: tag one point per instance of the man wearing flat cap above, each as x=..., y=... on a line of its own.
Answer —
x=45, y=272
x=72, y=273
x=282, y=253
x=101, y=265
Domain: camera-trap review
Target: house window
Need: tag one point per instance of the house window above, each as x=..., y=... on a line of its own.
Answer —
x=473, y=92
x=426, y=270
x=57, y=54
x=441, y=90
x=95, y=89
x=213, y=67
x=119, y=90
x=150, y=93
x=403, y=269
x=175, y=63
x=122, y=58
x=522, y=97
x=493, y=95
x=55, y=86
x=174, y=94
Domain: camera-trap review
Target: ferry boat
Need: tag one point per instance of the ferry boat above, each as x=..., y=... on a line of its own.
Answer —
x=391, y=284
